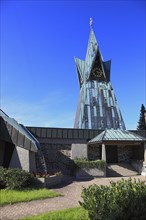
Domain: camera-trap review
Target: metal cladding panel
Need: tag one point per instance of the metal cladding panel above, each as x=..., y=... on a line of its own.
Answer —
x=54, y=133
x=86, y=134
x=32, y=129
x=9, y=128
x=16, y=133
x=4, y=134
x=27, y=144
x=97, y=108
x=49, y=133
x=75, y=133
x=65, y=133
x=38, y=132
x=44, y=131
x=20, y=140
x=80, y=134
x=70, y=134
x=59, y=133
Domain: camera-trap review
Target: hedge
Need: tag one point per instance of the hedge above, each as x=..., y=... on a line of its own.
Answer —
x=123, y=200
x=84, y=163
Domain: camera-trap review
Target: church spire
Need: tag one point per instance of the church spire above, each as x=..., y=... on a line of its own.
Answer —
x=97, y=107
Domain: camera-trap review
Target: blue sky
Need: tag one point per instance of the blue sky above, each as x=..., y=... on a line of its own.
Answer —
x=39, y=39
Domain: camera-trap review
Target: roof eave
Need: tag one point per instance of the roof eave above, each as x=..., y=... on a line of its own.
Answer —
x=115, y=142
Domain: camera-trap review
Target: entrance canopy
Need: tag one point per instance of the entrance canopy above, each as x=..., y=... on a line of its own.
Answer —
x=13, y=132
x=123, y=136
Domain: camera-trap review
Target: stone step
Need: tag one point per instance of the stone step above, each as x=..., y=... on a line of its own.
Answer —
x=121, y=169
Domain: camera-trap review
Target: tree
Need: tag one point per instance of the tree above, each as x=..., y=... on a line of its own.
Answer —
x=142, y=119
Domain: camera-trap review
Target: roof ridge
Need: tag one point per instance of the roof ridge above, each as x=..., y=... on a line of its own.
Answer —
x=105, y=131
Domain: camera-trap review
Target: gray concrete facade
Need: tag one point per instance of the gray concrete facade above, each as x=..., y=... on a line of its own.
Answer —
x=23, y=159
x=79, y=151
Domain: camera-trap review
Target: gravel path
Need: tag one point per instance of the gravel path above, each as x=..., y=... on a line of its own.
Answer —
x=71, y=192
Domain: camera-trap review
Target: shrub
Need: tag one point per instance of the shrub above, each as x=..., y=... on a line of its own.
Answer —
x=3, y=172
x=14, y=178
x=119, y=201
x=84, y=163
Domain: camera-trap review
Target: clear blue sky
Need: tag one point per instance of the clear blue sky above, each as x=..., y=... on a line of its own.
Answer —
x=39, y=39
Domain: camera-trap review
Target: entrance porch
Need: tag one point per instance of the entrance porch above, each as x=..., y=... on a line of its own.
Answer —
x=118, y=146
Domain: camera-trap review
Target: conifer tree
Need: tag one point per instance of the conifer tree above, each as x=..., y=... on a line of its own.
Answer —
x=142, y=119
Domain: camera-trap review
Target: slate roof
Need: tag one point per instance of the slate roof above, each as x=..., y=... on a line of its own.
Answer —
x=117, y=135
x=13, y=132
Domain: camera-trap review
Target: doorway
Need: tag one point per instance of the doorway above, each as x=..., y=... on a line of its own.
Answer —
x=111, y=154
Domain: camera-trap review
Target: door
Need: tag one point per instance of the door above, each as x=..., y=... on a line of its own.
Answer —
x=111, y=154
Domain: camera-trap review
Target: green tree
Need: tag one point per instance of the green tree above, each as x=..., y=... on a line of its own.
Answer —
x=142, y=122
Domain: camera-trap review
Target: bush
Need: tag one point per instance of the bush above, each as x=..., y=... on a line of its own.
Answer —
x=14, y=178
x=84, y=163
x=119, y=201
x=3, y=172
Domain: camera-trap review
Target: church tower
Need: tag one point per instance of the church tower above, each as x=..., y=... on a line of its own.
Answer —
x=97, y=104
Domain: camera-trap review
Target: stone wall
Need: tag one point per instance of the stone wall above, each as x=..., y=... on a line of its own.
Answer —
x=125, y=153
x=94, y=152
x=57, y=157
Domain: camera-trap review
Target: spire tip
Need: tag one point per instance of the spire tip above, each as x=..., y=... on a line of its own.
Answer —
x=91, y=22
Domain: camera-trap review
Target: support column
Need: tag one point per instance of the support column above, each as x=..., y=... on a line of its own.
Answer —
x=144, y=162
x=103, y=152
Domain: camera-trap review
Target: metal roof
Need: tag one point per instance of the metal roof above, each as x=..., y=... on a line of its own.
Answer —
x=117, y=135
x=13, y=132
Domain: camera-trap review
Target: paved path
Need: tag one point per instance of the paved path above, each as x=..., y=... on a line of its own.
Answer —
x=71, y=192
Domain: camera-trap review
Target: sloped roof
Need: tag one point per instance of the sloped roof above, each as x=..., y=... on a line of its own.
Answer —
x=117, y=135
x=13, y=132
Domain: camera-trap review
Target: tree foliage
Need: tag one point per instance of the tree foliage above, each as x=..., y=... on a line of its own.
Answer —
x=142, y=122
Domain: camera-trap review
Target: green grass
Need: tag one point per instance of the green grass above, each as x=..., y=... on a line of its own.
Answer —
x=25, y=195
x=67, y=214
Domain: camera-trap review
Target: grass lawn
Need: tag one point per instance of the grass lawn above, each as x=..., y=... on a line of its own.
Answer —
x=25, y=195
x=67, y=214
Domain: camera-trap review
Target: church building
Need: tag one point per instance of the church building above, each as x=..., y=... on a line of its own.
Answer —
x=99, y=131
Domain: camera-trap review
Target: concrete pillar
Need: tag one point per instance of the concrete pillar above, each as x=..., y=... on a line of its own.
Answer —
x=103, y=152
x=144, y=162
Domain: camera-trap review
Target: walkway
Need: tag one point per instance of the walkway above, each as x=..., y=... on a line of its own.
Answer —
x=72, y=194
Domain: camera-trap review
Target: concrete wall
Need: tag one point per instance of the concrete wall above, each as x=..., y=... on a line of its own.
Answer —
x=23, y=159
x=79, y=151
